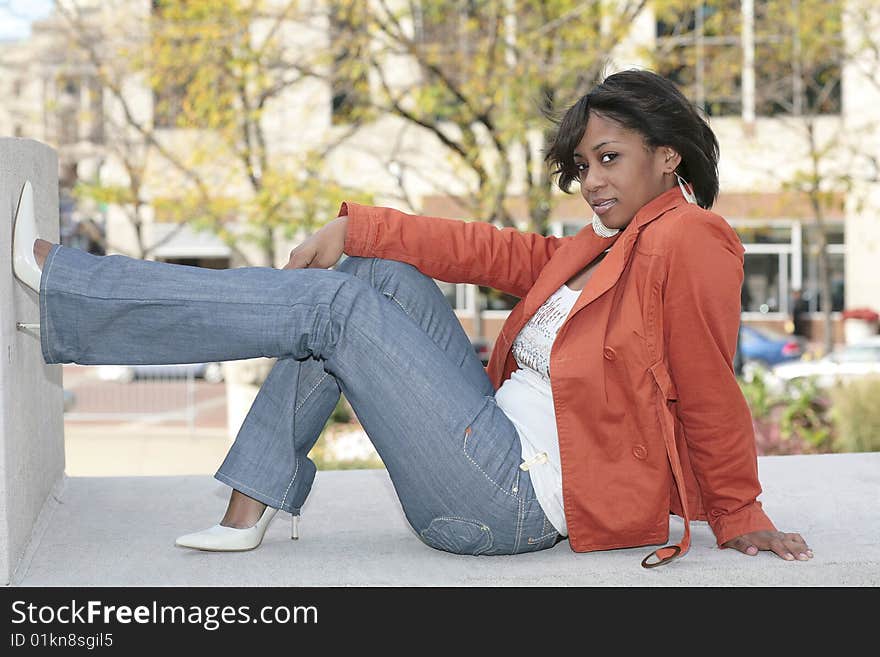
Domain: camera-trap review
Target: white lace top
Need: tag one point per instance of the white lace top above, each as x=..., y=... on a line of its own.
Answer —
x=527, y=399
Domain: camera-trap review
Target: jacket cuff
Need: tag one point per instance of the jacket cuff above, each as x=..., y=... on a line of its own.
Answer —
x=748, y=519
x=360, y=234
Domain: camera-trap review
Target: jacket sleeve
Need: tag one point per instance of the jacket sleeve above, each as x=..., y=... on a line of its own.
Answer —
x=450, y=250
x=701, y=315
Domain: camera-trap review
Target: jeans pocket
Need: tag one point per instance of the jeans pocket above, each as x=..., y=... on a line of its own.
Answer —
x=458, y=535
x=492, y=446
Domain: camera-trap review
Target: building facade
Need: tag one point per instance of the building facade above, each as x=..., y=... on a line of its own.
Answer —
x=52, y=93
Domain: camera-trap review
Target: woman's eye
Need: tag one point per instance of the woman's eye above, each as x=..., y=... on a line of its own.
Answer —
x=580, y=167
x=608, y=157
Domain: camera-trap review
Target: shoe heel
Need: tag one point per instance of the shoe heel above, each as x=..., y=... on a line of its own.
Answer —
x=294, y=527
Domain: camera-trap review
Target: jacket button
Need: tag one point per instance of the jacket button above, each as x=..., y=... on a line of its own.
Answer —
x=609, y=353
x=640, y=452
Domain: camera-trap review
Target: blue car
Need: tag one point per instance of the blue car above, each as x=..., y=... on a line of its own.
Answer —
x=765, y=347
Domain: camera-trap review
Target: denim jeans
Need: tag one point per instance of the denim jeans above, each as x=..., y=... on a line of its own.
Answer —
x=377, y=330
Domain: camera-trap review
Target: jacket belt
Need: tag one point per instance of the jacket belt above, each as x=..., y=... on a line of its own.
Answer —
x=666, y=554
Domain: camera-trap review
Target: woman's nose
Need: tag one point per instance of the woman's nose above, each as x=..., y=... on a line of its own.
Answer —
x=590, y=181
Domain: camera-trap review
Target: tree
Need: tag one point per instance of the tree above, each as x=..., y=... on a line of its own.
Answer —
x=782, y=59
x=488, y=74
x=216, y=71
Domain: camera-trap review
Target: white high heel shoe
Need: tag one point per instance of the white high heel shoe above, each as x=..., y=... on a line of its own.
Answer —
x=24, y=264
x=229, y=539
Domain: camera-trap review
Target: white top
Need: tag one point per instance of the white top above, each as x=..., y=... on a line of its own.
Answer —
x=527, y=399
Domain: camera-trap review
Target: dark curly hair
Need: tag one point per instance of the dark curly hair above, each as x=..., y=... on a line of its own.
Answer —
x=652, y=106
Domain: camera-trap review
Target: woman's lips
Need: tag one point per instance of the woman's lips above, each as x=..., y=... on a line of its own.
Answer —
x=602, y=207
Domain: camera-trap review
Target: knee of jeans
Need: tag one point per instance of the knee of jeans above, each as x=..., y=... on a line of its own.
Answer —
x=356, y=265
x=458, y=535
x=378, y=271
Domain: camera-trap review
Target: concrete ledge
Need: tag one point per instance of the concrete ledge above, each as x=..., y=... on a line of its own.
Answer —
x=121, y=531
x=31, y=416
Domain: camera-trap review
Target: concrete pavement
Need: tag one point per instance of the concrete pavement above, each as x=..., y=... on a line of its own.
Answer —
x=120, y=531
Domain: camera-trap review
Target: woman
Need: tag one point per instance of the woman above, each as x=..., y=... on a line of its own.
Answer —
x=642, y=415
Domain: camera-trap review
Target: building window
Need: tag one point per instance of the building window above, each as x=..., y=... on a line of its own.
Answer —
x=702, y=47
x=778, y=261
x=699, y=48
x=797, y=73
x=836, y=249
x=763, y=289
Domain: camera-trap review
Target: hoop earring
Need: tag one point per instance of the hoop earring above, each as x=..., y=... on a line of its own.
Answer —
x=601, y=229
x=687, y=193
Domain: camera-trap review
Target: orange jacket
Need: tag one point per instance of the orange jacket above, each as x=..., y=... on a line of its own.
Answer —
x=650, y=417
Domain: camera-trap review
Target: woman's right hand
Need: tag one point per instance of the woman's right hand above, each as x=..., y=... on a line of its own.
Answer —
x=321, y=250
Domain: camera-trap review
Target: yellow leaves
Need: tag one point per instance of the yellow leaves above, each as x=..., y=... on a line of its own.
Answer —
x=103, y=194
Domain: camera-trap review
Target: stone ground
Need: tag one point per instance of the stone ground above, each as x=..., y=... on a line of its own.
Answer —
x=120, y=531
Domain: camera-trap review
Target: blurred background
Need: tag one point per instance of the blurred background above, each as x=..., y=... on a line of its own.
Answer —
x=220, y=133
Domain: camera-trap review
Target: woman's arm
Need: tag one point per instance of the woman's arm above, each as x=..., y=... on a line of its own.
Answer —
x=701, y=311
x=450, y=250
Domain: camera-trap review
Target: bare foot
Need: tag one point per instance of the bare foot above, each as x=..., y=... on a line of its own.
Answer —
x=243, y=511
x=41, y=251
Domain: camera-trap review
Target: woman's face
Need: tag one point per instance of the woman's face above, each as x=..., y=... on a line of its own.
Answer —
x=618, y=172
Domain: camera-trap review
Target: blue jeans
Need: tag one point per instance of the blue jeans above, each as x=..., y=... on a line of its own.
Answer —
x=377, y=330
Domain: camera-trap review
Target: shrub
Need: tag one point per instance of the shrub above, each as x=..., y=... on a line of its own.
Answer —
x=857, y=415
x=343, y=412
x=757, y=394
x=796, y=421
x=807, y=415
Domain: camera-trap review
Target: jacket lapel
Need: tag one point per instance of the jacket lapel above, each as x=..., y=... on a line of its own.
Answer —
x=567, y=262
x=586, y=247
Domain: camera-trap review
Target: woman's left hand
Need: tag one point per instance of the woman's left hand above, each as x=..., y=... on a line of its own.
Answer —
x=788, y=546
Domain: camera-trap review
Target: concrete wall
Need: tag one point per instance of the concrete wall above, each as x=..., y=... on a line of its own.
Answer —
x=31, y=398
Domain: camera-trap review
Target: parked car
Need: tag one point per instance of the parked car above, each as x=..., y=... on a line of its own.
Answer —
x=210, y=372
x=850, y=362
x=766, y=348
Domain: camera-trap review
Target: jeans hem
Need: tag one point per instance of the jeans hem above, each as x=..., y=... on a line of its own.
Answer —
x=256, y=494
x=48, y=357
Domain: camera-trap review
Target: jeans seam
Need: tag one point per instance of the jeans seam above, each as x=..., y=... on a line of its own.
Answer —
x=542, y=538
x=483, y=472
x=188, y=300
x=519, y=526
x=292, y=479
x=380, y=349
x=482, y=524
x=309, y=394
x=544, y=533
x=391, y=296
x=295, y=410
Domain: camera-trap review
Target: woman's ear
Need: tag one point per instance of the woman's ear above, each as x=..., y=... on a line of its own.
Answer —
x=671, y=159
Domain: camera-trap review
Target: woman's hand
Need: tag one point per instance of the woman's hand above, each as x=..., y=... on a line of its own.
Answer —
x=787, y=546
x=321, y=250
